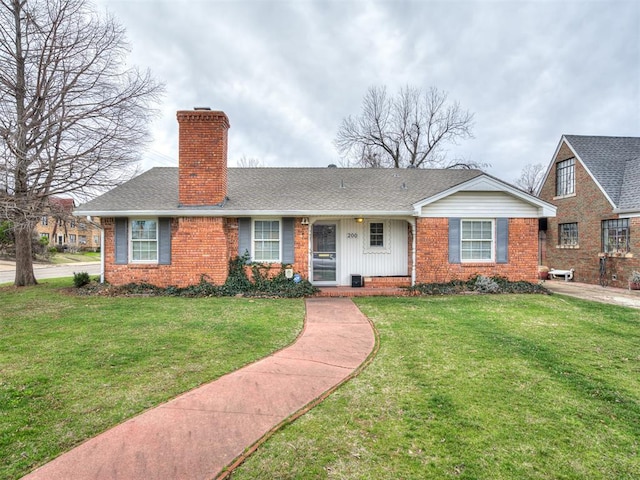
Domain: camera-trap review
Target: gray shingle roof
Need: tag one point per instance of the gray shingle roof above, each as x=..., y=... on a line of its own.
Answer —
x=289, y=189
x=614, y=162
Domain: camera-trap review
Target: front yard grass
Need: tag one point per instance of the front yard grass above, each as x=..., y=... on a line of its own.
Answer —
x=477, y=387
x=70, y=367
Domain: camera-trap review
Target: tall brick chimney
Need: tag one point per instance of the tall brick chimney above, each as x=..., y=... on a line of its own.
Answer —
x=202, y=153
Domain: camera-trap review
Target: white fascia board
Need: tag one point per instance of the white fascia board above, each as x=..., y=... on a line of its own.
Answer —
x=627, y=212
x=245, y=213
x=486, y=183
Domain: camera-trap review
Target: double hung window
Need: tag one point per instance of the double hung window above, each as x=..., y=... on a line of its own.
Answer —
x=477, y=240
x=144, y=240
x=266, y=241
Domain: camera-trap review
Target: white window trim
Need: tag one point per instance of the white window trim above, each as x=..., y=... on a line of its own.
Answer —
x=253, y=239
x=386, y=237
x=493, y=241
x=130, y=240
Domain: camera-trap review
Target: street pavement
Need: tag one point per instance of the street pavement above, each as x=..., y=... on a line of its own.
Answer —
x=42, y=271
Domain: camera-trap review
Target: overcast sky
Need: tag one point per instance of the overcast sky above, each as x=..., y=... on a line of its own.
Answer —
x=287, y=72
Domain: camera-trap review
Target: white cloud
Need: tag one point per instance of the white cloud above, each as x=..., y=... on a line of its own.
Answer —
x=287, y=71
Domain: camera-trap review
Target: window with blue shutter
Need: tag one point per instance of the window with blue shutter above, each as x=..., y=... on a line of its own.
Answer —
x=502, y=234
x=244, y=236
x=164, y=241
x=454, y=240
x=121, y=241
x=288, y=240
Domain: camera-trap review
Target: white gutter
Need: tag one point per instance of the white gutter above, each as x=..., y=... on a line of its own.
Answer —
x=101, y=254
x=191, y=212
x=413, y=251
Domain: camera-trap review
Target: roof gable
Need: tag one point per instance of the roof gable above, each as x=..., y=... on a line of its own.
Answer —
x=487, y=183
x=613, y=164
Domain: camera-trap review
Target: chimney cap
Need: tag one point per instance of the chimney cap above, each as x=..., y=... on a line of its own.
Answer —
x=202, y=108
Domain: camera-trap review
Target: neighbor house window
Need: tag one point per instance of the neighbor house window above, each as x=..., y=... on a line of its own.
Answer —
x=477, y=241
x=376, y=234
x=45, y=220
x=568, y=234
x=82, y=239
x=73, y=224
x=44, y=235
x=144, y=240
x=96, y=239
x=565, y=177
x=266, y=241
x=72, y=238
x=615, y=236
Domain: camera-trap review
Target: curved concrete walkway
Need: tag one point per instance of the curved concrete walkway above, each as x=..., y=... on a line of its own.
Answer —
x=197, y=435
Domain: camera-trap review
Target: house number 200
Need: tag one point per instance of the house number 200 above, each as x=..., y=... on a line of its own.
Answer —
x=352, y=235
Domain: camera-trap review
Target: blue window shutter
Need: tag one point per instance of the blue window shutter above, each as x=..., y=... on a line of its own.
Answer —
x=287, y=240
x=122, y=241
x=502, y=244
x=164, y=241
x=454, y=240
x=244, y=236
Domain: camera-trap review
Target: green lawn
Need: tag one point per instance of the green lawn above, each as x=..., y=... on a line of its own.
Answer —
x=60, y=258
x=477, y=387
x=70, y=366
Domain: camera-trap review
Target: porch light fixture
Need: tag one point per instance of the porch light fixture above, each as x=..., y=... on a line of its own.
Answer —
x=359, y=220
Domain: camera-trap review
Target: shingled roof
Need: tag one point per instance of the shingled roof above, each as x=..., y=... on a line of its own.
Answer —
x=303, y=191
x=614, y=162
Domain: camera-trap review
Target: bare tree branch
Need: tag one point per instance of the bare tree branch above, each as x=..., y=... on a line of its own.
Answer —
x=530, y=178
x=73, y=116
x=408, y=130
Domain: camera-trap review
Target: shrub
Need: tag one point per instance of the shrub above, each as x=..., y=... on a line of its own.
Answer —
x=81, y=279
x=478, y=284
x=263, y=284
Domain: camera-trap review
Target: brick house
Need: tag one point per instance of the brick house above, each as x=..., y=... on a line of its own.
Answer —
x=169, y=226
x=595, y=184
x=63, y=229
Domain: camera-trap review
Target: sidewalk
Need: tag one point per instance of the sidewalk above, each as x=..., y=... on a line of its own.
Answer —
x=197, y=435
x=611, y=295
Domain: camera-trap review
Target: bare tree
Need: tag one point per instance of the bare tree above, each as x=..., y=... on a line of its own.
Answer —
x=249, y=162
x=410, y=129
x=73, y=116
x=530, y=178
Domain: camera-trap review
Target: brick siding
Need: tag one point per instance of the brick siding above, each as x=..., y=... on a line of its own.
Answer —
x=588, y=207
x=203, y=157
x=432, y=253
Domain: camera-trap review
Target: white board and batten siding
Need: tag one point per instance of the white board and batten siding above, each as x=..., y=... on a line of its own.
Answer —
x=355, y=258
x=480, y=205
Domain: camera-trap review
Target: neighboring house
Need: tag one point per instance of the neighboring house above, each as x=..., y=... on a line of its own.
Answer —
x=170, y=226
x=63, y=229
x=595, y=184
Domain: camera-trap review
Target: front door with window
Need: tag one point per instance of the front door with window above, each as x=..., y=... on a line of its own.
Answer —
x=324, y=253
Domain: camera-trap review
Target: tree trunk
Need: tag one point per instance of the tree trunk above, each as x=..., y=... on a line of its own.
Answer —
x=24, y=258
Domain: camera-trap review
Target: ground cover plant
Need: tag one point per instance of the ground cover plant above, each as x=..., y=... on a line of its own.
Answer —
x=71, y=366
x=477, y=387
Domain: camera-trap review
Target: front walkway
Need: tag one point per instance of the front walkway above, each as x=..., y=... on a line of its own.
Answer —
x=612, y=295
x=197, y=435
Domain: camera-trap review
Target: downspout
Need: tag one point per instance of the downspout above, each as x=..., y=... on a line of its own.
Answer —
x=413, y=251
x=101, y=253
